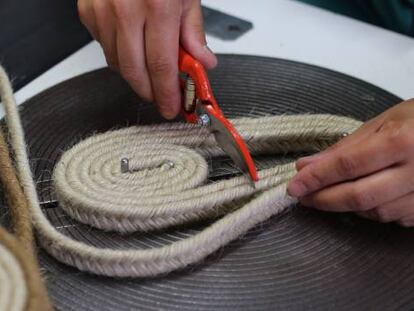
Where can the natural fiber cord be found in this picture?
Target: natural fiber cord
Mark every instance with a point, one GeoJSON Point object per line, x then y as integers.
{"type": "Point", "coordinates": [13, 288]}
{"type": "Point", "coordinates": [166, 186]}
{"type": "Point", "coordinates": [21, 285]}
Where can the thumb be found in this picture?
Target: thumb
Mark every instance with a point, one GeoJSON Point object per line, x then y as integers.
{"type": "Point", "coordinates": [193, 38]}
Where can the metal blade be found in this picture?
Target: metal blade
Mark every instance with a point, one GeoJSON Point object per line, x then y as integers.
{"type": "Point", "coordinates": [229, 145]}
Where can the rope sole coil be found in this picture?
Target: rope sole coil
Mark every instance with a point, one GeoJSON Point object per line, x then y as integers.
{"type": "Point", "coordinates": [166, 187]}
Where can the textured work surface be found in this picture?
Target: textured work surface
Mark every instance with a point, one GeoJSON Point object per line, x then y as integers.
{"type": "Point", "coordinates": [301, 260]}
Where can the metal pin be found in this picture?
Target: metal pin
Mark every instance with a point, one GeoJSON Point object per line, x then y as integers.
{"type": "Point", "coordinates": [124, 165]}
{"type": "Point", "coordinates": [170, 163]}
{"type": "Point", "coordinates": [204, 119]}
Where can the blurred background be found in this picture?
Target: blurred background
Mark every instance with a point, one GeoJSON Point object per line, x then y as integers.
{"type": "Point", "coordinates": [37, 34]}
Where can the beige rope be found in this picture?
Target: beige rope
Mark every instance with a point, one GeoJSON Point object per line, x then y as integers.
{"type": "Point", "coordinates": [13, 290]}
{"type": "Point", "coordinates": [166, 188]}
{"type": "Point", "coordinates": [21, 286]}
{"type": "Point", "coordinates": [17, 250]}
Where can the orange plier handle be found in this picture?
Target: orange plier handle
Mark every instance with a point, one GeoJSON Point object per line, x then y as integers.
{"type": "Point", "coordinates": [203, 92]}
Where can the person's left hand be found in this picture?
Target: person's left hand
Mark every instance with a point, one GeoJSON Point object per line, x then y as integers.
{"type": "Point", "coordinates": [370, 172]}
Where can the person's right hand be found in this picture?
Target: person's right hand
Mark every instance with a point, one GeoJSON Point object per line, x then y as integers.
{"type": "Point", "coordinates": [141, 38]}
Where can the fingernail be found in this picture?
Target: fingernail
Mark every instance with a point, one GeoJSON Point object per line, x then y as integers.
{"type": "Point", "coordinates": [305, 161]}
{"type": "Point", "coordinates": [310, 158]}
{"type": "Point", "coordinates": [213, 60]}
{"type": "Point", "coordinates": [307, 158]}
{"type": "Point", "coordinates": [168, 114]}
{"type": "Point", "coordinates": [206, 47]}
{"type": "Point", "coordinates": [297, 189]}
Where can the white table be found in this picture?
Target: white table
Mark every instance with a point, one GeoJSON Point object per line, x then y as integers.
{"type": "Point", "coordinates": [291, 30]}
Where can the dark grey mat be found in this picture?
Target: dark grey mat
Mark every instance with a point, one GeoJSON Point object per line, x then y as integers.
{"type": "Point", "coordinates": [300, 260]}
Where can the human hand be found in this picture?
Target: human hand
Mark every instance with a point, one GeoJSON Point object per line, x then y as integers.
{"type": "Point", "coordinates": [140, 39]}
{"type": "Point", "coordinates": [369, 172]}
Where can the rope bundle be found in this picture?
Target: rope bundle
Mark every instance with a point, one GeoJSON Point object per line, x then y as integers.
{"type": "Point", "coordinates": [166, 186]}
{"type": "Point", "coordinates": [21, 285]}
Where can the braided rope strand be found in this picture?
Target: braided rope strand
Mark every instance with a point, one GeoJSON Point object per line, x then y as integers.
{"type": "Point", "coordinates": [13, 290]}
{"type": "Point", "coordinates": [91, 187]}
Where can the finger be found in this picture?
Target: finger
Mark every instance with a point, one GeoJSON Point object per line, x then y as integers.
{"type": "Point", "coordinates": [407, 220]}
{"type": "Point", "coordinates": [370, 155]}
{"type": "Point", "coordinates": [401, 208]}
{"type": "Point", "coordinates": [366, 215]}
{"type": "Point", "coordinates": [106, 24]}
{"type": "Point", "coordinates": [364, 131]}
{"type": "Point", "coordinates": [161, 45]}
{"type": "Point", "coordinates": [87, 17]}
{"type": "Point", "coordinates": [193, 38]}
{"type": "Point", "coordinates": [364, 194]}
{"type": "Point", "coordinates": [130, 47]}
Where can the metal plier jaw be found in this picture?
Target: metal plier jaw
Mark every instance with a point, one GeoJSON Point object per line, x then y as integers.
{"type": "Point", "coordinates": [199, 106]}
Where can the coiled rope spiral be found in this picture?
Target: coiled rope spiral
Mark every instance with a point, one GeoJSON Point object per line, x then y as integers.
{"type": "Point", "coordinates": [167, 186]}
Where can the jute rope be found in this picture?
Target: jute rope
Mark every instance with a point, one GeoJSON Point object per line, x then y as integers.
{"type": "Point", "coordinates": [16, 200]}
{"type": "Point", "coordinates": [13, 289]}
{"type": "Point", "coordinates": [20, 246]}
{"type": "Point", "coordinates": [165, 187]}
{"type": "Point", "coordinates": [24, 289]}
{"type": "Point", "coordinates": [21, 286]}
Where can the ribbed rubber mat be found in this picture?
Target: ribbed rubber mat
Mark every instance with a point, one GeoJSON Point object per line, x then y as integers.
{"type": "Point", "coordinates": [301, 260]}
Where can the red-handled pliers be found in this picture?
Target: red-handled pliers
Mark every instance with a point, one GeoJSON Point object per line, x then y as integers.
{"type": "Point", "coordinates": [200, 106]}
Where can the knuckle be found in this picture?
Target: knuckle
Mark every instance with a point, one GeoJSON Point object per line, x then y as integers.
{"type": "Point", "coordinates": [160, 66]}
{"type": "Point", "coordinates": [360, 200]}
{"type": "Point", "coordinates": [198, 28]}
{"type": "Point", "coordinates": [398, 135]}
{"type": "Point", "coordinates": [313, 180]}
{"type": "Point", "coordinates": [347, 166]}
{"type": "Point", "coordinates": [119, 9]}
{"type": "Point", "coordinates": [156, 6]}
{"type": "Point", "coordinates": [164, 10]}
{"type": "Point", "coordinates": [382, 215]}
